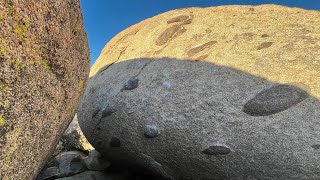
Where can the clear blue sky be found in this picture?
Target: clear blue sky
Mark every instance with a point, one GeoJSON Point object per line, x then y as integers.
{"type": "Point", "coordinates": [106, 18]}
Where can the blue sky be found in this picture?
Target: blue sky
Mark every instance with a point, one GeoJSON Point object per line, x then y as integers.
{"type": "Point", "coordinates": [106, 18]}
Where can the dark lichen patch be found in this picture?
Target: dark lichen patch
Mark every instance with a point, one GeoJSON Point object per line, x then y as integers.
{"type": "Point", "coordinates": [131, 83]}
{"type": "Point", "coordinates": [107, 111]}
{"type": "Point", "coordinates": [115, 142]}
{"type": "Point", "coordinates": [274, 100]}
{"type": "Point", "coordinates": [178, 19]}
{"type": "Point", "coordinates": [169, 34]}
{"type": "Point", "coordinates": [264, 45]}
{"type": "Point", "coordinates": [47, 16]}
{"type": "Point", "coordinates": [151, 131]}
{"type": "Point", "coordinates": [200, 48]}
{"type": "Point", "coordinates": [316, 146]}
{"type": "Point", "coordinates": [217, 150]}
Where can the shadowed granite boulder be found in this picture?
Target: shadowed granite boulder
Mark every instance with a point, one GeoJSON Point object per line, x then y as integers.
{"type": "Point", "coordinates": [44, 62]}
{"type": "Point", "coordinates": [238, 101]}
{"type": "Point", "coordinates": [200, 121]}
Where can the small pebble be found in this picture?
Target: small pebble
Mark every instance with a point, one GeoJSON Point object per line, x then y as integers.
{"type": "Point", "coordinates": [151, 131]}
{"type": "Point", "coordinates": [131, 83]}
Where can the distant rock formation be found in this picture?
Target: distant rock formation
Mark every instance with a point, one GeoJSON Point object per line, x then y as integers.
{"type": "Point", "coordinates": [228, 92]}
{"type": "Point", "coordinates": [44, 60]}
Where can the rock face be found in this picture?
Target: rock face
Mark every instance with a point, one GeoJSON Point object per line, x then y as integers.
{"type": "Point", "coordinates": [261, 40]}
{"type": "Point", "coordinates": [73, 138]}
{"type": "Point", "coordinates": [44, 62]}
{"type": "Point", "coordinates": [195, 120]}
{"type": "Point", "coordinates": [65, 164]}
{"type": "Point", "coordinates": [239, 101]}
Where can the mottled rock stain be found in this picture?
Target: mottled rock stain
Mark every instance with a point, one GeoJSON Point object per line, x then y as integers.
{"type": "Point", "coordinates": [169, 34]}
{"type": "Point", "coordinates": [203, 57]}
{"type": "Point", "coordinates": [175, 30]}
{"type": "Point", "coordinates": [178, 19]}
{"type": "Point", "coordinates": [264, 45]}
{"type": "Point", "coordinates": [200, 48]}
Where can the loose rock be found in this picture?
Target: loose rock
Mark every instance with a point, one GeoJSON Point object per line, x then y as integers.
{"type": "Point", "coordinates": [151, 131]}
{"type": "Point", "coordinates": [65, 164]}
{"type": "Point", "coordinates": [95, 161]}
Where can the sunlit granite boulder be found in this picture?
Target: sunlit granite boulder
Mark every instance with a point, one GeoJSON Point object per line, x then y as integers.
{"type": "Point", "coordinates": [44, 60]}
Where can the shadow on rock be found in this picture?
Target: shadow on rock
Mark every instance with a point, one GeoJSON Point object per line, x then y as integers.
{"type": "Point", "coordinates": [186, 119]}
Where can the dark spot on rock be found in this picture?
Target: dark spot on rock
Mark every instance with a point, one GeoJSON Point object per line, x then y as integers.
{"type": "Point", "coordinates": [131, 83]}
{"type": "Point", "coordinates": [151, 131]}
{"type": "Point", "coordinates": [264, 35]}
{"type": "Point", "coordinates": [169, 34]}
{"type": "Point", "coordinates": [264, 45]}
{"type": "Point", "coordinates": [200, 48]}
{"type": "Point", "coordinates": [23, 57]}
{"type": "Point", "coordinates": [189, 21]}
{"type": "Point", "coordinates": [178, 19]}
{"type": "Point", "coordinates": [316, 146]}
{"type": "Point", "coordinates": [203, 57]}
{"type": "Point", "coordinates": [95, 112]}
{"type": "Point", "coordinates": [217, 150]}
{"type": "Point", "coordinates": [47, 16]}
{"type": "Point", "coordinates": [115, 142]}
{"type": "Point", "coordinates": [208, 31]}
{"type": "Point", "coordinates": [107, 111]}
{"type": "Point", "coordinates": [276, 99]}
{"type": "Point", "coordinates": [246, 36]}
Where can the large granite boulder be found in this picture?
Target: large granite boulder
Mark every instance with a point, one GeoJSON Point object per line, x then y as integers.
{"type": "Point", "coordinates": [200, 121]}
{"type": "Point", "coordinates": [240, 99]}
{"type": "Point", "coordinates": [261, 40]}
{"type": "Point", "coordinates": [44, 62]}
